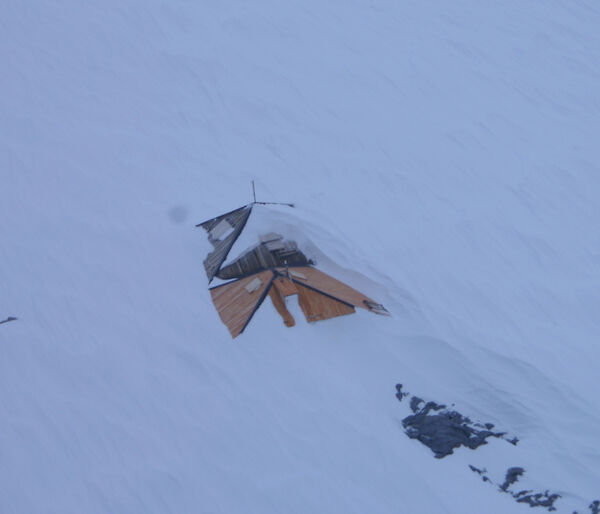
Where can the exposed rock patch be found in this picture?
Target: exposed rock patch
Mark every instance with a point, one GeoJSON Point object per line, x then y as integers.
{"type": "Point", "coordinates": [512, 475]}
{"type": "Point", "coordinates": [594, 507]}
{"type": "Point", "coordinates": [545, 499]}
{"type": "Point", "coordinates": [442, 430]}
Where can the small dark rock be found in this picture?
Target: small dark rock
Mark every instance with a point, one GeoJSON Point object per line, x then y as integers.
{"type": "Point", "coordinates": [399, 393]}
{"type": "Point", "coordinates": [512, 475]}
{"type": "Point", "coordinates": [540, 500]}
{"type": "Point", "coordinates": [480, 472]}
{"type": "Point", "coordinates": [415, 401]}
{"type": "Point", "coordinates": [476, 470]}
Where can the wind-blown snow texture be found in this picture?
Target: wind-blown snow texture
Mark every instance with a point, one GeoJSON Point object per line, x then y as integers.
{"type": "Point", "coordinates": [443, 154]}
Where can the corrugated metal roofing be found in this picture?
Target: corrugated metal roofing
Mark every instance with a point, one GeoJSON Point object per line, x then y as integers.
{"type": "Point", "coordinates": [217, 227]}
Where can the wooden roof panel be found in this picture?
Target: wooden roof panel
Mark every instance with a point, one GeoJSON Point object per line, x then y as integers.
{"type": "Point", "coordinates": [320, 281]}
{"type": "Point", "coordinates": [285, 285]}
{"type": "Point", "coordinates": [317, 306]}
{"type": "Point", "coordinates": [236, 305]}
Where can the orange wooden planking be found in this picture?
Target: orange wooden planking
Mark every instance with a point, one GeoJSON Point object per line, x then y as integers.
{"type": "Point", "coordinates": [286, 286]}
{"type": "Point", "coordinates": [234, 304]}
{"type": "Point", "coordinates": [279, 304]}
{"type": "Point", "coordinates": [327, 284]}
{"type": "Point", "coordinates": [317, 306]}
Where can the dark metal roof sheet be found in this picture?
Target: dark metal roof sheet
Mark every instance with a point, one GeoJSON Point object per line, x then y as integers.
{"type": "Point", "coordinates": [236, 220]}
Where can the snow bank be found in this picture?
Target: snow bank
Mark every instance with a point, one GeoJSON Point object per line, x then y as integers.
{"type": "Point", "coordinates": [443, 157]}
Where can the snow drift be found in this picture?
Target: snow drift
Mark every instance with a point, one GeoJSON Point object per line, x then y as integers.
{"type": "Point", "coordinates": [443, 155]}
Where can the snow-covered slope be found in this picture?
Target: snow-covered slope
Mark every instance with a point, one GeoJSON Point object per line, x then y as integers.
{"type": "Point", "coordinates": [443, 157]}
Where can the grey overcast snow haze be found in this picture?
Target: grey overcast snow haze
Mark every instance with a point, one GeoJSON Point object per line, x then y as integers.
{"type": "Point", "coordinates": [444, 159]}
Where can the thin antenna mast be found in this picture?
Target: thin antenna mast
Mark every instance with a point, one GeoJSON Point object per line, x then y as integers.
{"type": "Point", "coordinates": [267, 203]}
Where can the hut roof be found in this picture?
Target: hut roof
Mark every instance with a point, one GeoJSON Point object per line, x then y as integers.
{"type": "Point", "coordinates": [223, 231]}
{"type": "Point", "coordinates": [320, 296]}
{"type": "Point", "coordinates": [249, 239]}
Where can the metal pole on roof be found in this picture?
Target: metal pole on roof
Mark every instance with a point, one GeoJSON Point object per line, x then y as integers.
{"type": "Point", "coordinates": [267, 203]}
{"type": "Point", "coordinates": [275, 203]}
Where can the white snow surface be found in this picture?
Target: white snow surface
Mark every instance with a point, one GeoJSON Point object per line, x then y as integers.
{"type": "Point", "coordinates": [444, 159]}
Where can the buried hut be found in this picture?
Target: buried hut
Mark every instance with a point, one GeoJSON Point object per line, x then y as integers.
{"type": "Point", "coordinates": [275, 267]}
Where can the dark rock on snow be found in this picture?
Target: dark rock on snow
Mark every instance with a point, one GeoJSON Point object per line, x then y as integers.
{"type": "Point", "coordinates": [544, 499]}
{"type": "Point", "coordinates": [594, 507]}
{"type": "Point", "coordinates": [441, 430]}
{"type": "Point", "coordinates": [512, 475]}
{"type": "Point", "coordinates": [399, 393]}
